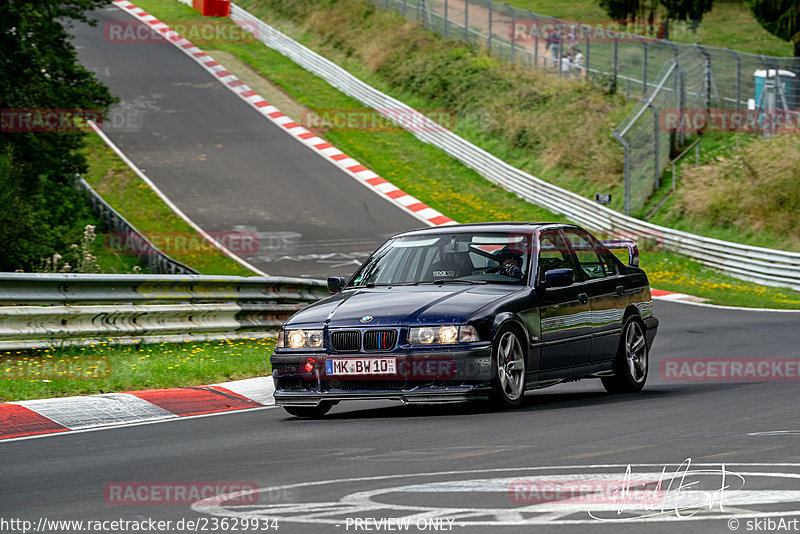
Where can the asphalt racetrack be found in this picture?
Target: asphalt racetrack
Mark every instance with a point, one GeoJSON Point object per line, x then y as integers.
{"type": "Point", "coordinates": [227, 167]}
{"type": "Point", "coordinates": [722, 449]}
{"type": "Point", "coordinates": [380, 459]}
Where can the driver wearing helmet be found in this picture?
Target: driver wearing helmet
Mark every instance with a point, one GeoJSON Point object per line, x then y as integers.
{"type": "Point", "coordinates": [510, 263]}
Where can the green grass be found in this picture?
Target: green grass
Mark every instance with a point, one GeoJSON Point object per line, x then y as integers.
{"type": "Point", "coordinates": [144, 209]}
{"type": "Point", "coordinates": [104, 368]}
{"type": "Point", "coordinates": [730, 24]}
{"type": "Point", "coordinates": [718, 152]}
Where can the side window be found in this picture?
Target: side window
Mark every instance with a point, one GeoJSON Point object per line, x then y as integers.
{"type": "Point", "coordinates": [607, 257]}
{"type": "Point", "coordinates": [553, 254]}
{"type": "Point", "coordinates": [587, 256]}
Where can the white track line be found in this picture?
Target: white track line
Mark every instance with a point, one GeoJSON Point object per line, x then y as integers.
{"type": "Point", "coordinates": [172, 205]}
{"type": "Point", "coordinates": [321, 147]}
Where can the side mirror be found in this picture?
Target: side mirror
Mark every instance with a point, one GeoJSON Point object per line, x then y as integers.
{"type": "Point", "coordinates": [336, 283]}
{"type": "Point", "coordinates": [558, 278]}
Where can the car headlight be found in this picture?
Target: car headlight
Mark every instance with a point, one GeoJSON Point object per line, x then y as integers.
{"type": "Point", "coordinates": [302, 339]}
{"type": "Point", "coordinates": [442, 335]}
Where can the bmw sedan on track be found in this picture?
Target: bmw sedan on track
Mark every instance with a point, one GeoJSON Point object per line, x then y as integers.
{"type": "Point", "coordinates": [478, 311]}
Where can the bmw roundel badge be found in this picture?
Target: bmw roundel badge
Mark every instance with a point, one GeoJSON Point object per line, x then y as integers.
{"type": "Point", "coordinates": [366, 319]}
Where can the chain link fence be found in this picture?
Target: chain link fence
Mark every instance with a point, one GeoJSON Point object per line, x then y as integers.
{"type": "Point", "coordinates": [684, 89]}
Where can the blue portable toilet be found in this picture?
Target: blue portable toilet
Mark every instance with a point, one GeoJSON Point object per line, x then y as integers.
{"type": "Point", "coordinates": [787, 81]}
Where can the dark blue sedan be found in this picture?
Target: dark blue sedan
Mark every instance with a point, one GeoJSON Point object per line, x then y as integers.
{"type": "Point", "coordinates": [477, 311]}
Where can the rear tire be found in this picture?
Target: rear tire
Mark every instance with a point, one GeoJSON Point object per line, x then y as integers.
{"type": "Point", "coordinates": [631, 365]}
{"type": "Point", "coordinates": [310, 412]}
{"type": "Point", "coordinates": [508, 370]}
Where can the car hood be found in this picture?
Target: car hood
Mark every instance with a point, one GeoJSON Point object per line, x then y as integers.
{"type": "Point", "coordinates": [398, 305]}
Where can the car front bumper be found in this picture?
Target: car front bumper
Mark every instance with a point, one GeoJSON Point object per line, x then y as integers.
{"type": "Point", "coordinates": [424, 376]}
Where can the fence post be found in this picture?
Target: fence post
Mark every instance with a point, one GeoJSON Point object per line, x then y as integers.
{"type": "Point", "coordinates": [682, 101]}
{"type": "Point", "coordinates": [559, 46]}
{"type": "Point", "coordinates": [627, 149]}
{"type": "Point", "coordinates": [644, 70]}
{"type": "Point", "coordinates": [586, 67]}
{"type": "Point", "coordinates": [656, 169]}
{"type": "Point", "coordinates": [489, 37]}
{"type": "Point", "coordinates": [446, 20]}
{"type": "Point", "coordinates": [535, 40]}
{"type": "Point", "coordinates": [466, 20]}
{"type": "Point", "coordinates": [513, 31]}
{"type": "Point", "coordinates": [706, 77]}
{"type": "Point", "coordinates": [738, 77]}
{"type": "Point", "coordinates": [405, 2]}
{"type": "Point", "coordinates": [616, 46]}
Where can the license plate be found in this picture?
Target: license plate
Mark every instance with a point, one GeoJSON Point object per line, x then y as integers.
{"type": "Point", "coordinates": [361, 366]}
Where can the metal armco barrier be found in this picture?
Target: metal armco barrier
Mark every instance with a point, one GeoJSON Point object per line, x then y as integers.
{"type": "Point", "coordinates": [756, 264]}
{"type": "Point", "coordinates": [40, 310]}
{"type": "Point", "coordinates": [153, 258]}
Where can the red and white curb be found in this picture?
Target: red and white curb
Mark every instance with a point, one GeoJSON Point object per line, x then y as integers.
{"type": "Point", "coordinates": [47, 416]}
{"type": "Point", "coordinates": [660, 294]}
{"type": "Point", "coordinates": [350, 166]}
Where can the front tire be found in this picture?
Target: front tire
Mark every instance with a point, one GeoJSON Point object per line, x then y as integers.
{"type": "Point", "coordinates": [631, 364]}
{"type": "Point", "coordinates": [508, 370]}
{"type": "Point", "coordinates": [309, 412]}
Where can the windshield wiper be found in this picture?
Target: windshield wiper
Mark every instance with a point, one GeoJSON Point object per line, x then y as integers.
{"type": "Point", "coordinates": [456, 281]}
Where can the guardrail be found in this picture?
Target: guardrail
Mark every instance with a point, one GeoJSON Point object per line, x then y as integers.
{"type": "Point", "coordinates": [762, 265]}
{"type": "Point", "coordinates": [153, 258]}
{"type": "Point", "coordinates": [41, 310]}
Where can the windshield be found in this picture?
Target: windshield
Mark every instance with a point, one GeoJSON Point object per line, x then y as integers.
{"type": "Point", "coordinates": [448, 258]}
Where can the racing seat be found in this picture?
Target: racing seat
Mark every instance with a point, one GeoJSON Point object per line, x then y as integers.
{"type": "Point", "coordinates": [445, 269]}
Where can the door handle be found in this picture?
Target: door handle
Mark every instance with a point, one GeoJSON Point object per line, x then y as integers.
{"type": "Point", "coordinates": [620, 290]}
{"type": "Point", "coordinates": [583, 297]}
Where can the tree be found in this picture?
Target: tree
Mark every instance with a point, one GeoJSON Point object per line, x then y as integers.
{"type": "Point", "coordinates": [622, 10]}
{"type": "Point", "coordinates": [781, 18]}
{"type": "Point", "coordinates": [691, 11]}
{"type": "Point", "coordinates": [648, 10]}
{"type": "Point", "coordinates": [41, 209]}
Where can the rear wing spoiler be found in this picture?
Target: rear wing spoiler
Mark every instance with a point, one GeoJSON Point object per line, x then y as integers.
{"type": "Point", "coordinates": [625, 244]}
